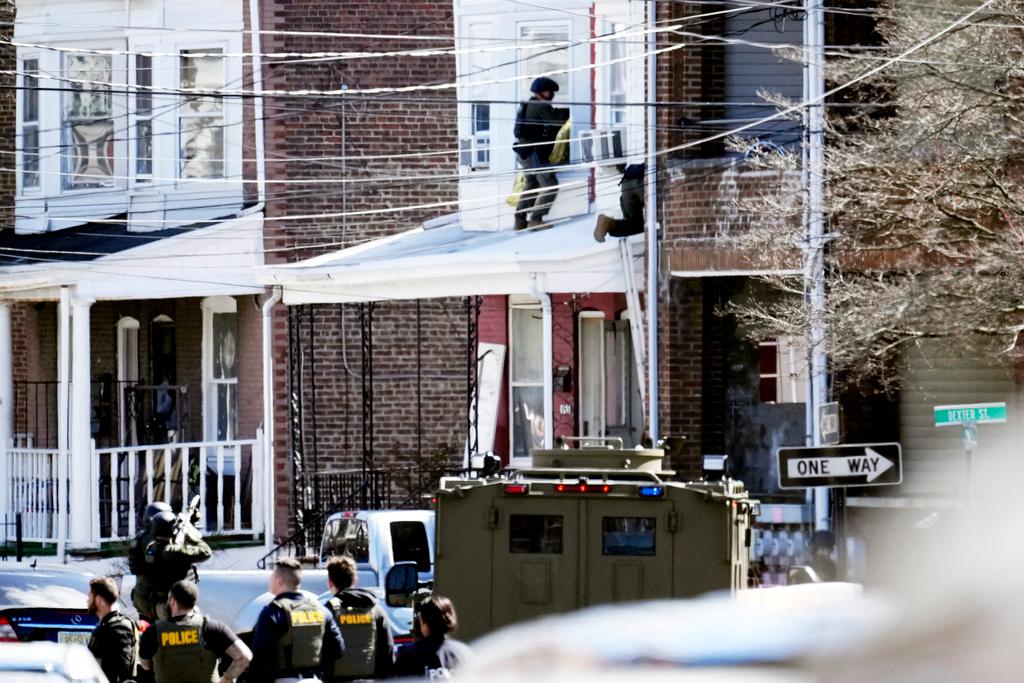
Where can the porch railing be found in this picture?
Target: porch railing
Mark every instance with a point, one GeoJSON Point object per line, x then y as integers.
{"type": "Point", "coordinates": [227, 476]}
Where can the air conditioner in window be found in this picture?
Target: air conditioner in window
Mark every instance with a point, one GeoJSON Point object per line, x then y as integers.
{"type": "Point", "coordinates": [602, 145]}
{"type": "Point", "coordinates": [475, 151]}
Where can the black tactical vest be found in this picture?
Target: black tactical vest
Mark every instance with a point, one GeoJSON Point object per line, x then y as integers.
{"type": "Point", "coordinates": [359, 631]}
{"type": "Point", "coordinates": [181, 655]}
{"type": "Point", "coordinates": [299, 648]}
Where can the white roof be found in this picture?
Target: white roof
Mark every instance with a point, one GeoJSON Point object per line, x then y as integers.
{"type": "Point", "coordinates": [431, 262]}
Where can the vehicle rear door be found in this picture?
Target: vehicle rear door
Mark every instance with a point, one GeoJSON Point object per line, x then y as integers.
{"type": "Point", "coordinates": [535, 558]}
{"type": "Point", "coordinates": [628, 553]}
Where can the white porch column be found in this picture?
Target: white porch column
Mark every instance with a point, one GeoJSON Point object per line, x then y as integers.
{"type": "Point", "coordinates": [63, 401]}
{"type": "Point", "coordinates": [6, 400]}
{"type": "Point", "coordinates": [83, 488]}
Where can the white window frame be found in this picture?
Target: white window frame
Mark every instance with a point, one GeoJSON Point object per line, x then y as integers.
{"type": "Point", "coordinates": [516, 303]}
{"type": "Point", "coordinates": [224, 118]}
{"type": "Point", "coordinates": [119, 117]}
{"type": "Point", "coordinates": [21, 124]}
{"type": "Point", "coordinates": [477, 34]}
{"type": "Point", "coordinates": [612, 26]}
{"type": "Point", "coordinates": [790, 369]}
{"type": "Point", "coordinates": [135, 118]}
{"type": "Point", "coordinates": [210, 306]}
{"type": "Point", "coordinates": [565, 94]}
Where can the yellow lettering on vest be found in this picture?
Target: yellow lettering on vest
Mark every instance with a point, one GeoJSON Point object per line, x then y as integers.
{"type": "Point", "coordinates": [174, 638]}
{"type": "Point", "coordinates": [352, 619]}
{"type": "Point", "coordinates": [305, 617]}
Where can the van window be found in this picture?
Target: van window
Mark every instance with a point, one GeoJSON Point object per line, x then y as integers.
{"type": "Point", "coordinates": [347, 536]}
{"type": "Point", "coordinates": [628, 536]}
{"type": "Point", "coordinates": [538, 534]}
{"type": "Point", "coordinates": [409, 542]}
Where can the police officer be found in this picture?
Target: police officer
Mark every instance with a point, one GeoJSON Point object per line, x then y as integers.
{"type": "Point", "coordinates": [631, 201]}
{"type": "Point", "coordinates": [295, 637]}
{"type": "Point", "coordinates": [187, 647]}
{"type": "Point", "coordinates": [114, 641]}
{"type": "Point", "coordinates": [369, 647]}
{"type": "Point", "coordinates": [536, 127]}
{"type": "Point", "coordinates": [169, 558]}
{"type": "Point", "coordinates": [436, 653]}
{"type": "Point", "coordinates": [137, 549]}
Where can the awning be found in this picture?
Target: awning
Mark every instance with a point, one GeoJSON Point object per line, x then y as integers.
{"type": "Point", "coordinates": [444, 261]}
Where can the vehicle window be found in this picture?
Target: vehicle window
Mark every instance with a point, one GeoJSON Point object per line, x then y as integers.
{"type": "Point", "coordinates": [409, 541]}
{"type": "Point", "coordinates": [539, 534]}
{"type": "Point", "coordinates": [347, 536]}
{"type": "Point", "coordinates": [628, 536]}
{"type": "Point", "coordinates": [43, 589]}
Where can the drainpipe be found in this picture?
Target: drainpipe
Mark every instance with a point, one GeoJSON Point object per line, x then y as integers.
{"type": "Point", "coordinates": [549, 371]}
{"type": "Point", "coordinates": [268, 416]}
{"type": "Point", "coordinates": [651, 176]}
{"type": "Point", "coordinates": [63, 400]}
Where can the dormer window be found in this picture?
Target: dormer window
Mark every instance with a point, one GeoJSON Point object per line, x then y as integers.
{"type": "Point", "coordinates": [30, 124]}
{"type": "Point", "coordinates": [143, 117]}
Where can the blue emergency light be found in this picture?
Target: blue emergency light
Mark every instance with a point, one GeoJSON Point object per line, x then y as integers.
{"type": "Point", "coordinates": [651, 491]}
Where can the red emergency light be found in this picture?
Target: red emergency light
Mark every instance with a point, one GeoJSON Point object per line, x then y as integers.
{"type": "Point", "coordinates": [582, 488]}
{"type": "Point", "coordinates": [517, 489]}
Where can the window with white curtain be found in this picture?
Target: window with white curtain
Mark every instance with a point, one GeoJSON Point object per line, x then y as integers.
{"type": "Point", "coordinates": [526, 373]}
{"type": "Point", "coordinates": [201, 121]}
{"type": "Point", "coordinates": [88, 126]}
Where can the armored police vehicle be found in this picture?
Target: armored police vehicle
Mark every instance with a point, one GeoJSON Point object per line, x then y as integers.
{"type": "Point", "coordinates": [584, 526]}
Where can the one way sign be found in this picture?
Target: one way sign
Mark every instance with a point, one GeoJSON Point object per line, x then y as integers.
{"type": "Point", "coordinates": [866, 464]}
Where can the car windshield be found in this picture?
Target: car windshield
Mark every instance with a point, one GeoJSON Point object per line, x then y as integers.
{"type": "Point", "coordinates": [43, 589]}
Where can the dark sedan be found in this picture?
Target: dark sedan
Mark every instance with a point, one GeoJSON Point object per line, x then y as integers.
{"type": "Point", "coordinates": [44, 604]}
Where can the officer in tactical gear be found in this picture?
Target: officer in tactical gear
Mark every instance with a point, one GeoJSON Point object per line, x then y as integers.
{"type": "Point", "coordinates": [295, 637]}
{"type": "Point", "coordinates": [137, 549]}
{"type": "Point", "coordinates": [171, 556]}
{"type": "Point", "coordinates": [187, 646]}
{"type": "Point", "coordinates": [436, 654]}
{"type": "Point", "coordinates": [115, 640]}
{"type": "Point", "coordinates": [631, 201]}
{"type": "Point", "coordinates": [369, 647]}
{"type": "Point", "coordinates": [536, 127]}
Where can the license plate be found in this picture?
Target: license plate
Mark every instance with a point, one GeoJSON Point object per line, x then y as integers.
{"type": "Point", "coordinates": [73, 637]}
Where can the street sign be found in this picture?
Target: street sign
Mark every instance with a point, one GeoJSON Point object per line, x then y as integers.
{"type": "Point", "coordinates": [865, 464]}
{"type": "Point", "coordinates": [977, 413]}
{"type": "Point", "coordinates": [828, 423]}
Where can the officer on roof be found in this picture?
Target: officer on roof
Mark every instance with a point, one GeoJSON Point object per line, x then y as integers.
{"type": "Point", "coordinates": [171, 556]}
{"type": "Point", "coordinates": [369, 647]}
{"type": "Point", "coordinates": [187, 646]}
{"type": "Point", "coordinates": [295, 637]}
{"type": "Point", "coordinates": [536, 127]}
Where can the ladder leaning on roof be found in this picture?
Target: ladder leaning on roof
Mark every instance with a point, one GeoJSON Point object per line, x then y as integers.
{"type": "Point", "coordinates": [636, 325]}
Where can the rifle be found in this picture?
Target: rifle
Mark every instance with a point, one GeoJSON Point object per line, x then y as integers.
{"type": "Point", "coordinates": [184, 525]}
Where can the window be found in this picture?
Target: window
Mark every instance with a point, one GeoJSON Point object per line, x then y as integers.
{"type": "Point", "coordinates": [347, 536]}
{"type": "Point", "coordinates": [538, 57]}
{"type": "Point", "coordinates": [615, 71]}
{"type": "Point", "coordinates": [632, 536]}
{"type": "Point", "coordinates": [477, 67]}
{"type": "Point", "coordinates": [30, 124]}
{"type": "Point", "coordinates": [88, 129]}
{"type": "Point", "coordinates": [220, 324]}
{"type": "Point", "coordinates": [143, 117]}
{"type": "Point", "coordinates": [535, 534]}
{"type": "Point", "coordinates": [201, 122]}
{"type": "Point", "coordinates": [782, 370]}
{"type": "Point", "coordinates": [527, 380]}
{"type": "Point", "coordinates": [409, 542]}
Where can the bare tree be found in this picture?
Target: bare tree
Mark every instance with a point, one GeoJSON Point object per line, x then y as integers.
{"type": "Point", "coordinates": [924, 193]}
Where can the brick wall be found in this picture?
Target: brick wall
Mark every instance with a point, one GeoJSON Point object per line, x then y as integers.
{"type": "Point", "coordinates": [8, 99]}
{"type": "Point", "coordinates": [373, 142]}
{"type": "Point", "coordinates": [680, 371]}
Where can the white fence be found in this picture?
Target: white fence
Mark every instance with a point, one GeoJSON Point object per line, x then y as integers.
{"type": "Point", "coordinates": [228, 477]}
{"type": "Point", "coordinates": [33, 489]}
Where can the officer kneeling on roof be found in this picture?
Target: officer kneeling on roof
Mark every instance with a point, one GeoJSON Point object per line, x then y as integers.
{"type": "Point", "coordinates": [295, 638]}
{"type": "Point", "coordinates": [187, 647]}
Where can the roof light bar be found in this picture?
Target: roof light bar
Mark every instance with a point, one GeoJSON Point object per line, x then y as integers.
{"type": "Point", "coordinates": [651, 491]}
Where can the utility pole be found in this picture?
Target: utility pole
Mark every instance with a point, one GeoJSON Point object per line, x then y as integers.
{"type": "Point", "coordinates": [651, 177]}
{"type": "Point", "coordinates": [814, 232]}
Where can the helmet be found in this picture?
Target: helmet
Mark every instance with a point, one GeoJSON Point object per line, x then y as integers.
{"type": "Point", "coordinates": [162, 524]}
{"type": "Point", "coordinates": [542, 84]}
{"type": "Point", "coordinates": [153, 508]}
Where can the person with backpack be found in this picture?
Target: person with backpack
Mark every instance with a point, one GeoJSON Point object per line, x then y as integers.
{"type": "Point", "coordinates": [369, 646]}
{"type": "Point", "coordinates": [115, 640]}
{"type": "Point", "coordinates": [537, 125]}
{"type": "Point", "coordinates": [187, 646]}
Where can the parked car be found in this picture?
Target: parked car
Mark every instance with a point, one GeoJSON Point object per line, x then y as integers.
{"type": "Point", "coordinates": [44, 604]}
{"type": "Point", "coordinates": [49, 663]}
